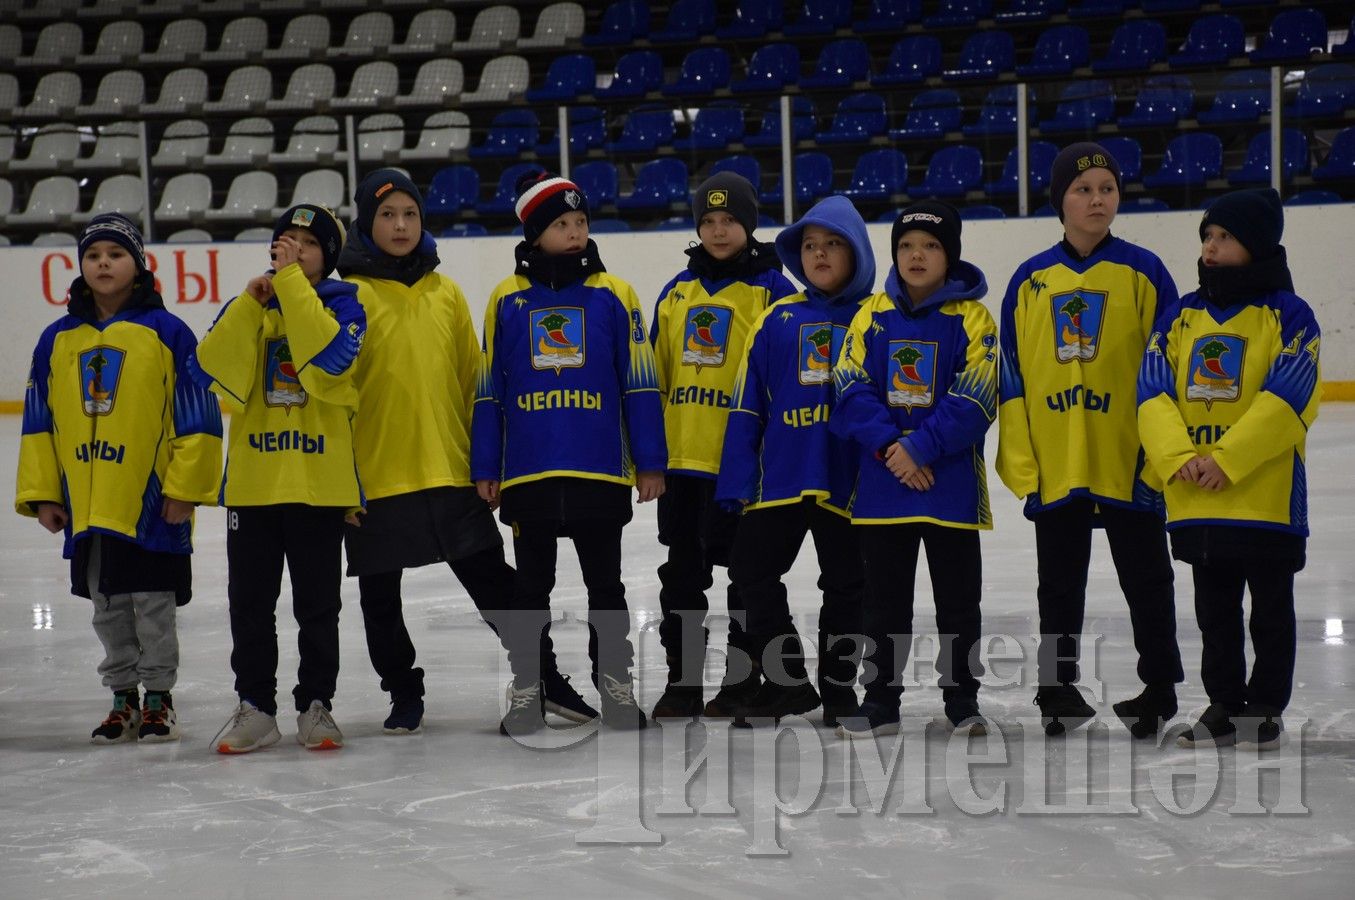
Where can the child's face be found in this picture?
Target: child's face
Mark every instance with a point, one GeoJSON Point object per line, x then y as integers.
{"type": "Point", "coordinates": [827, 259]}
{"type": "Point", "coordinates": [311, 258]}
{"type": "Point", "coordinates": [721, 235]}
{"type": "Point", "coordinates": [397, 227]}
{"type": "Point", "coordinates": [566, 234]}
{"type": "Point", "coordinates": [108, 269]}
{"type": "Point", "coordinates": [922, 263]}
{"type": "Point", "coordinates": [1091, 203]}
{"type": "Point", "coordinates": [1220, 248]}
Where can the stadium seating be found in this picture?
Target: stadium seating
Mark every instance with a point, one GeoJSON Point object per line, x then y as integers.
{"type": "Point", "coordinates": [1135, 47]}
{"type": "Point", "coordinates": [1340, 161]}
{"type": "Point", "coordinates": [1058, 51]}
{"type": "Point", "coordinates": [452, 189]}
{"type": "Point", "coordinates": [859, 118]}
{"type": "Point", "coordinates": [984, 56]}
{"type": "Point", "coordinates": [841, 63]}
{"type": "Point", "coordinates": [512, 132]}
{"type": "Point", "coordinates": [1212, 41]}
{"type": "Point", "coordinates": [771, 68]}
{"type": "Point", "coordinates": [932, 114]}
{"type": "Point", "coordinates": [599, 182]}
{"type": "Point", "coordinates": [1294, 34]}
{"type": "Point", "coordinates": [704, 71]}
{"type": "Point", "coordinates": [813, 179]}
{"type": "Point", "coordinates": [659, 184]}
{"type": "Point", "coordinates": [1190, 160]}
{"type": "Point", "coordinates": [1242, 97]}
{"type": "Point", "coordinates": [1164, 100]}
{"type": "Point", "coordinates": [952, 172]}
{"type": "Point", "coordinates": [753, 19]}
{"type": "Point", "coordinates": [912, 60]}
{"type": "Point", "coordinates": [878, 175]}
{"type": "Point", "coordinates": [1255, 169]}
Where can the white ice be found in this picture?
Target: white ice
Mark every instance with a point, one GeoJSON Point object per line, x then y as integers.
{"type": "Point", "coordinates": [461, 811]}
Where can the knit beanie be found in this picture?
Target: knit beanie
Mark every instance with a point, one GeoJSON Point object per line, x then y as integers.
{"type": "Point", "coordinates": [120, 230]}
{"type": "Point", "coordinates": [320, 222]}
{"type": "Point", "coordinates": [937, 218]}
{"type": "Point", "coordinates": [543, 198]}
{"type": "Point", "coordinates": [1071, 162]}
{"type": "Point", "coordinates": [1255, 217]}
{"type": "Point", "coordinates": [726, 192]}
{"type": "Point", "coordinates": [375, 188]}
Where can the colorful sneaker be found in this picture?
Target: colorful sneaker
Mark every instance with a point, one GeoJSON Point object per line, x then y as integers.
{"type": "Point", "coordinates": [559, 697]}
{"type": "Point", "coordinates": [315, 729]}
{"type": "Point", "coordinates": [619, 709]}
{"type": "Point", "coordinates": [159, 722]}
{"type": "Point", "coordinates": [122, 722]}
{"type": "Point", "coordinates": [406, 716]}
{"type": "Point", "coordinates": [525, 713]}
{"type": "Point", "coordinates": [869, 720]}
{"type": "Point", "coordinates": [248, 729]}
{"type": "Point", "coordinates": [1215, 728]}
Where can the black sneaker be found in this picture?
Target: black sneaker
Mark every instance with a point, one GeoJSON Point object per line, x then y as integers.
{"type": "Point", "coordinates": [1145, 714]}
{"type": "Point", "coordinates": [159, 722]}
{"type": "Point", "coordinates": [406, 716]}
{"type": "Point", "coordinates": [772, 702]}
{"type": "Point", "coordinates": [869, 720]}
{"type": "Point", "coordinates": [1215, 728]}
{"type": "Point", "coordinates": [619, 709]}
{"type": "Point", "coordinates": [838, 703]}
{"type": "Point", "coordinates": [733, 695]}
{"type": "Point", "coordinates": [1260, 727]}
{"type": "Point", "coordinates": [1062, 709]}
{"type": "Point", "coordinates": [962, 714]}
{"type": "Point", "coordinates": [678, 702]}
{"type": "Point", "coordinates": [122, 722]}
{"type": "Point", "coordinates": [525, 711]}
{"type": "Point", "coordinates": [560, 698]}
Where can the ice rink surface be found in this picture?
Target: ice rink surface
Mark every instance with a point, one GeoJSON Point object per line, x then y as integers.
{"type": "Point", "coordinates": [461, 811]}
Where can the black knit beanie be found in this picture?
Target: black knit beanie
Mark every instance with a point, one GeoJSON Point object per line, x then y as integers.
{"type": "Point", "coordinates": [318, 221]}
{"type": "Point", "coordinates": [1071, 162]}
{"type": "Point", "coordinates": [726, 192]}
{"type": "Point", "coordinates": [543, 198]}
{"type": "Point", "coordinates": [1255, 217]}
{"type": "Point", "coordinates": [120, 230]}
{"type": "Point", "coordinates": [937, 218]}
{"type": "Point", "coordinates": [376, 187]}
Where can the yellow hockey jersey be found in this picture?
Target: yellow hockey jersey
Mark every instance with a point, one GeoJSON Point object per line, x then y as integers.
{"type": "Point", "coordinates": [286, 371]}
{"type": "Point", "coordinates": [416, 385]}
{"type": "Point", "coordinates": [1072, 335]}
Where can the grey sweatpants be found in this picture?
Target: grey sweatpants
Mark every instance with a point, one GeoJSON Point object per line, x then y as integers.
{"type": "Point", "coordinates": [141, 643]}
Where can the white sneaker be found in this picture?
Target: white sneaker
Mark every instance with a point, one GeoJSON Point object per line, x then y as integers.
{"type": "Point", "coordinates": [247, 729]}
{"type": "Point", "coordinates": [315, 729]}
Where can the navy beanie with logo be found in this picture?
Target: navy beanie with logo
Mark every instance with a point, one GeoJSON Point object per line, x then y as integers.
{"type": "Point", "coordinates": [120, 230]}
{"type": "Point", "coordinates": [1071, 162]}
{"type": "Point", "coordinates": [726, 192]}
{"type": "Point", "coordinates": [543, 198]}
{"type": "Point", "coordinates": [319, 221]}
{"type": "Point", "coordinates": [375, 188]}
{"type": "Point", "coordinates": [937, 218]}
{"type": "Point", "coordinates": [1255, 217]}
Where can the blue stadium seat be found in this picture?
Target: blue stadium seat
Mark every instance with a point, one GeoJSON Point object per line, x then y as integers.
{"type": "Point", "coordinates": [1152, 7]}
{"type": "Point", "coordinates": [841, 64]}
{"type": "Point", "coordinates": [568, 77]}
{"type": "Point", "coordinates": [1340, 161]}
{"type": "Point", "coordinates": [772, 67]}
{"type": "Point", "coordinates": [1082, 106]}
{"type": "Point", "coordinates": [464, 229]}
{"type": "Point", "coordinates": [704, 71]}
{"type": "Point", "coordinates": [984, 56]}
{"type": "Point", "coordinates": [1058, 51]}
{"type": "Point", "coordinates": [452, 189]}
{"type": "Point", "coordinates": [1242, 97]}
{"type": "Point", "coordinates": [753, 19]}
{"type": "Point", "coordinates": [1134, 47]}
{"type": "Point", "coordinates": [952, 172]}
{"type": "Point", "coordinates": [1212, 41]}
{"type": "Point", "coordinates": [739, 164]}
{"type": "Point", "coordinates": [506, 194]}
{"type": "Point", "coordinates": [658, 185]}
{"type": "Point", "coordinates": [859, 118]}
{"type": "Point", "coordinates": [598, 181]}
{"type": "Point", "coordinates": [813, 179]}
{"type": "Point", "coordinates": [1326, 90]}
{"type": "Point", "coordinates": [1164, 100]}
{"type": "Point", "coordinates": [889, 15]}
{"type": "Point", "coordinates": [1346, 47]}
{"type": "Point", "coordinates": [607, 226]}
{"type": "Point", "coordinates": [1255, 169]}
{"type": "Point", "coordinates": [1041, 160]}
{"type": "Point", "coordinates": [1128, 153]}
{"type": "Point", "coordinates": [959, 13]}
{"type": "Point", "coordinates": [673, 223]}
{"type": "Point", "coordinates": [1143, 205]}
{"type": "Point", "coordinates": [1313, 197]}
{"type": "Point", "coordinates": [714, 128]}
{"type": "Point", "coordinates": [998, 114]}
{"type": "Point", "coordinates": [645, 129]}
{"type": "Point", "coordinates": [1294, 34]}
{"type": "Point", "coordinates": [1029, 10]}
{"type": "Point", "coordinates": [637, 73]}
{"type": "Point", "coordinates": [982, 211]}
{"type": "Point", "coordinates": [511, 132]}
{"type": "Point", "coordinates": [622, 24]}
{"type": "Point", "coordinates": [818, 17]}
{"type": "Point", "coordinates": [1096, 9]}
{"type": "Point", "coordinates": [878, 175]}
{"type": "Point", "coordinates": [913, 60]}
{"type": "Point", "coordinates": [931, 115]}
{"type": "Point", "coordinates": [801, 123]}
{"type": "Point", "coordinates": [687, 21]}
{"type": "Point", "coordinates": [587, 131]}
{"type": "Point", "coordinates": [1190, 160]}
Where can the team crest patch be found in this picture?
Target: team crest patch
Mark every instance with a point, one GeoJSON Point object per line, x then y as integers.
{"type": "Point", "coordinates": [558, 338]}
{"type": "Point", "coordinates": [281, 386]}
{"type": "Point", "coordinates": [707, 336]}
{"type": "Point", "coordinates": [100, 369]}
{"type": "Point", "coordinates": [717, 198]}
{"type": "Point", "coordinates": [303, 217]}
{"type": "Point", "coordinates": [573, 199]}
{"type": "Point", "coordinates": [1216, 368]}
{"type": "Point", "coordinates": [819, 345]}
{"type": "Point", "coordinates": [1077, 323]}
{"type": "Point", "coordinates": [912, 373]}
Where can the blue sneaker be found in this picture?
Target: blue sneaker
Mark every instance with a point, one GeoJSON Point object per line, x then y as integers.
{"type": "Point", "coordinates": [406, 716]}
{"type": "Point", "coordinates": [870, 719]}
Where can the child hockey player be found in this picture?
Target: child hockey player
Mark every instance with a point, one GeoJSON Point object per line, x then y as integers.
{"type": "Point", "coordinates": [567, 419]}
{"type": "Point", "coordinates": [699, 328]}
{"type": "Point", "coordinates": [917, 390]}
{"type": "Point", "coordinates": [282, 355]}
{"type": "Point", "coordinates": [118, 447]}
{"type": "Point", "coordinates": [1075, 322]}
{"type": "Point", "coordinates": [1229, 388]}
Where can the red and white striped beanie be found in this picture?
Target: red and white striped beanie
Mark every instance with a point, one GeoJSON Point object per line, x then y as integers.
{"type": "Point", "coordinates": [543, 198]}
